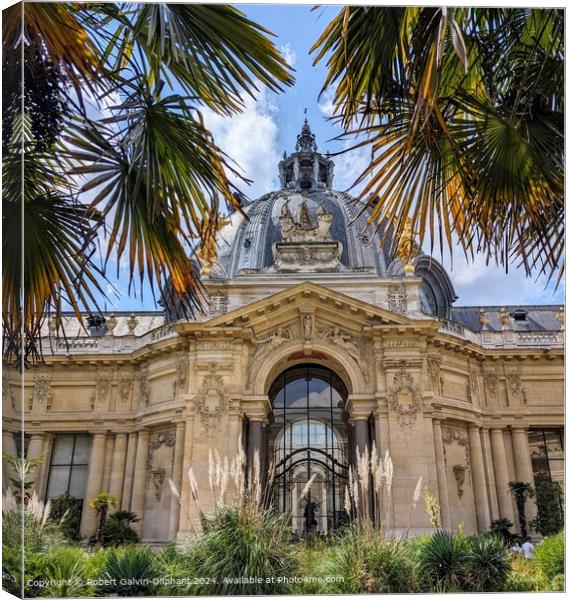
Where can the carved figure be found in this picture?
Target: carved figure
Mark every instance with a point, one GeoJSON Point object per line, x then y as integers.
{"type": "Point", "coordinates": [407, 249]}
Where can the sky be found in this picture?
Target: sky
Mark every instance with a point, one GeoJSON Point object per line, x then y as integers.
{"type": "Point", "coordinates": [257, 138]}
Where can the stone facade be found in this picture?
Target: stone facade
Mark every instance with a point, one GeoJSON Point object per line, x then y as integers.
{"type": "Point", "coordinates": [451, 403]}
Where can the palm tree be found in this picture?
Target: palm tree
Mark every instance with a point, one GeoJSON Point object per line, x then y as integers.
{"type": "Point", "coordinates": [462, 109]}
{"type": "Point", "coordinates": [101, 505]}
{"type": "Point", "coordinates": [140, 167]}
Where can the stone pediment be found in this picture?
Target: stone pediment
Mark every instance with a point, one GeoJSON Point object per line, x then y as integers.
{"type": "Point", "coordinates": [307, 297]}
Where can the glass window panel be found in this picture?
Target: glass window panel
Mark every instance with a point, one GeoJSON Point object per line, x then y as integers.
{"type": "Point", "coordinates": [78, 482]}
{"type": "Point", "coordinates": [62, 450]}
{"type": "Point", "coordinates": [82, 449]}
{"type": "Point", "coordinates": [58, 480]}
{"type": "Point", "coordinates": [296, 394]}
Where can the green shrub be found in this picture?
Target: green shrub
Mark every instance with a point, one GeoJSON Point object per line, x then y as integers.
{"type": "Point", "coordinates": [549, 555]}
{"type": "Point", "coordinates": [389, 567]}
{"type": "Point", "coordinates": [558, 583]}
{"type": "Point", "coordinates": [242, 543]}
{"type": "Point", "coordinates": [66, 513]}
{"type": "Point", "coordinates": [550, 517]}
{"type": "Point", "coordinates": [129, 571]}
{"type": "Point", "coordinates": [525, 576]}
{"type": "Point", "coordinates": [64, 573]}
{"type": "Point", "coordinates": [503, 527]}
{"type": "Point", "coordinates": [117, 530]}
{"type": "Point", "coordinates": [488, 563]}
{"type": "Point", "coordinates": [442, 562]}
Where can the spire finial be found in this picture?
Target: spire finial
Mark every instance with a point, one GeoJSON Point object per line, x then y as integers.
{"type": "Point", "coordinates": [306, 139]}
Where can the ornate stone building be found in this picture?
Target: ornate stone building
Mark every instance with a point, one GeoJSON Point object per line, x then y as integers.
{"type": "Point", "coordinates": [317, 341]}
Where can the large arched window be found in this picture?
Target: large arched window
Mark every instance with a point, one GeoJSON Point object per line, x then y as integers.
{"type": "Point", "coordinates": [308, 438]}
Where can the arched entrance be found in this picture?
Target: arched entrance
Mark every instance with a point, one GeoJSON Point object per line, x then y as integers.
{"type": "Point", "coordinates": [309, 437]}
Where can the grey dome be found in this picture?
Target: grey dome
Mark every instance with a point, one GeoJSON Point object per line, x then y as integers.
{"type": "Point", "coordinates": [245, 245]}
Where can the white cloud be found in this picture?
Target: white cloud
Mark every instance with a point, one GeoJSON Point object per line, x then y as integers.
{"type": "Point", "coordinates": [289, 55]}
{"type": "Point", "coordinates": [326, 102]}
{"type": "Point", "coordinates": [250, 139]}
{"type": "Point", "coordinates": [479, 284]}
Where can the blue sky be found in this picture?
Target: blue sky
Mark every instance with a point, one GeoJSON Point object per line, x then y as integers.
{"type": "Point", "coordinates": [269, 125]}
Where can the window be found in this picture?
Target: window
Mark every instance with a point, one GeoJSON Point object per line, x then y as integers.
{"type": "Point", "coordinates": [68, 465]}
{"type": "Point", "coordinates": [546, 446]}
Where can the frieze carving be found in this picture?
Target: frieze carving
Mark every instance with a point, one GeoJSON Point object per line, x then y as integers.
{"type": "Point", "coordinates": [514, 384]}
{"type": "Point", "coordinates": [396, 341]}
{"type": "Point", "coordinates": [210, 401]}
{"type": "Point", "coordinates": [397, 299]}
{"type": "Point", "coordinates": [279, 336]}
{"type": "Point", "coordinates": [343, 339]}
{"type": "Point", "coordinates": [42, 395]}
{"type": "Point", "coordinates": [144, 386]}
{"type": "Point", "coordinates": [405, 398]}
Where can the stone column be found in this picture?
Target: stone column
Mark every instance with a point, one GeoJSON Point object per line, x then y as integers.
{"type": "Point", "coordinates": [140, 478]}
{"type": "Point", "coordinates": [129, 471]}
{"type": "Point", "coordinates": [44, 468]}
{"type": "Point", "coordinates": [479, 478]}
{"type": "Point", "coordinates": [441, 475]}
{"type": "Point", "coordinates": [107, 463]}
{"type": "Point", "coordinates": [361, 433]}
{"type": "Point", "coordinates": [94, 480]}
{"type": "Point", "coordinates": [523, 467]}
{"type": "Point", "coordinates": [255, 432]}
{"type": "Point", "coordinates": [177, 479]}
{"type": "Point", "coordinates": [362, 444]}
{"type": "Point", "coordinates": [35, 450]}
{"type": "Point", "coordinates": [118, 467]}
{"type": "Point", "coordinates": [501, 474]}
{"type": "Point", "coordinates": [490, 478]}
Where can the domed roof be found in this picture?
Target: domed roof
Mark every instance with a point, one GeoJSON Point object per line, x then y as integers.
{"type": "Point", "coordinates": [247, 245]}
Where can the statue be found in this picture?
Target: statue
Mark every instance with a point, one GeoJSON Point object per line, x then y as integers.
{"type": "Point", "coordinates": [304, 228]}
{"type": "Point", "coordinates": [309, 516]}
{"type": "Point", "coordinates": [407, 249]}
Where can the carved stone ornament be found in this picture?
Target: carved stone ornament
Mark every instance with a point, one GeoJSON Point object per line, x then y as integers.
{"type": "Point", "coordinates": [210, 402]}
{"type": "Point", "coordinates": [218, 303]}
{"type": "Point", "coordinates": [124, 389]}
{"type": "Point", "coordinates": [450, 436]}
{"type": "Point", "coordinates": [397, 299]}
{"type": "Point", "coordinates": [307, 326]}
{"type": "Point", "coordinates": [277, 337]}
{"type": "Point", "coordinates": [433, 363]}
{"type": "Point", "coordinates": [144, 386]}
{"type": "Point", "coordinates": [404, 398]}
{"type": "Point", "coordinates": [181, 372]}
{"type": "Point", "coordinates": [460, 477]}
{"type": "Point", "coordinates": [102, 390]}
{"type": "Point", "coordinates": [158, 477]}
{"type": "Point", "coordinates": [514, 384]}
{"type": "Point", "coordinates": [157, 440]}
{"type": "Point", "coordinates": [491, 385]}
{"type": "Point", "coordinates": [42, 396]}
{"type": "Point", "coordinates": [473, 387]}
{"type": "Point", "coordinates": [342, 338]}
{"type": "Point", "coordinates": [7, 396]}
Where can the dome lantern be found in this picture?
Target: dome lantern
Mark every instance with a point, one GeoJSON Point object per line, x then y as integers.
{"type": "Point", "coordinates": [305, 169]}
